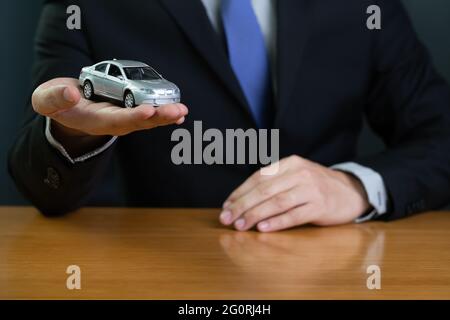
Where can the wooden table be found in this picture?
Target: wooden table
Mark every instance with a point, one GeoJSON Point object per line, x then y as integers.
{"type": "Point", "coordinates": [187, 254]}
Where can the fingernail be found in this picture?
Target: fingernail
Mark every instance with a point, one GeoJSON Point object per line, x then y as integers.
{"type": "Point", "coordinates": [67, 96]}
{"type": "Point", "coordinates": [226, 204]}
{"type": "Point", "coordinates": [239, 224]}
{"type": "Point", "coordinates": [225, 217]}
{"type": "Point", "coordinates": [180, 121]}
{"type": "Point", "coordinates": [263, 226]}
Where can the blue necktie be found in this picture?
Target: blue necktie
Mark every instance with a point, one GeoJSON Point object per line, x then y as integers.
{"type": "Point", "coordinates": [248, 56]}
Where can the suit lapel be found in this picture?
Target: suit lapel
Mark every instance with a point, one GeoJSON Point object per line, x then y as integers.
{"type": "Point", "coordinates": [191, 17]}
{"type": "Point", "coordinates": [294, 19]}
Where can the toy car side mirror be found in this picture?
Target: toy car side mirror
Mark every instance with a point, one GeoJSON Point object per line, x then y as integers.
{"type": "Point", "coordinates": [121, 77]}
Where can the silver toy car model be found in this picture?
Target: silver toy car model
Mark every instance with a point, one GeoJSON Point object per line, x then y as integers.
{"type": "Point", "coordinates": [131, 82]}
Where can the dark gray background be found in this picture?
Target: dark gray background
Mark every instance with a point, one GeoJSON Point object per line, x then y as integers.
{"type": "Point", "coordinates": [18, 21]}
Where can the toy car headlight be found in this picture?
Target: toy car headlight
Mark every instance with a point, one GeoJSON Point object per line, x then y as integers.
{"type": "Point", "coordinates": [160, 91]}
{"type": "Point", "coordinates": [146, 90]}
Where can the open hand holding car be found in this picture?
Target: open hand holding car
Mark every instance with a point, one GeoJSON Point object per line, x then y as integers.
{"type": "Point", "coordinates": [79, 124]}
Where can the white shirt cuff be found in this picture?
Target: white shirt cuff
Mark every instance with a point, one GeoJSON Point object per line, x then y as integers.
{"type": "Point", "coordinates": [54, 143]}
{"type": "Point", "coordinates": [374, 186]}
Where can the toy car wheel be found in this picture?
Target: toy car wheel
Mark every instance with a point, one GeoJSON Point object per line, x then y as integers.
{"type": "Point", "coordinates": [128, 100]}
{"type": "Point", "coordinates": [88, 90]}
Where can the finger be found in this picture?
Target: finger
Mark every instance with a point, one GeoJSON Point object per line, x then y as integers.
{"type": "Point", "coordinates": [169, 114]}
{"type": "Point", "coordinates": [294, 217]}
{"type": "Point", "coordinates": [278, 204]}
{"type": "Point", "coordinates": [120, 121]}
{"type": "Point", "coordinates": [181, 120]}
{"type": "Point", "coordinates": [245, 187]}
{"type": "Point", "coordinates": [103, 118]}
{"type": "Point", "coordinates": [124, 120]}
{"type": "Point", "coordinates": [258, 194]}
{"type": "Point", "coordinates": [284, 165]}
{"type": "Point", "coordinates": [251, 182]}
{"type": "Point", "coordinates": [165, 115]}
{"type": "Point", "coordinates": [48, 100]}
{"type": "Point", "coordinates": [183, 108]}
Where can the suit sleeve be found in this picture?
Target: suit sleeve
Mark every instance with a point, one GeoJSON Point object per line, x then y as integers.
{"type": "Point", "coordinates": [409, 107]}
{"type": "Point", "coordinates": [41, 173]}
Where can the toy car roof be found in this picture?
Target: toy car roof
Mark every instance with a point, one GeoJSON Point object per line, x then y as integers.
{"type": "Point", "coordinates": [126, 63]}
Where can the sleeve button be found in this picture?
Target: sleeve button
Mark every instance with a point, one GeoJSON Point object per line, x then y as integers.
{"type": "Point", "coordinates": [52, 180]}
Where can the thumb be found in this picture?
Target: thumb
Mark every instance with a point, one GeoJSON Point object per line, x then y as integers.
{"type": "Point", "coordinates": [54, 98]}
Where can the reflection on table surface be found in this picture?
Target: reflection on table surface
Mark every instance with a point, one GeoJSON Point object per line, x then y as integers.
{"type": "Point", "coordinates": [186, 253]}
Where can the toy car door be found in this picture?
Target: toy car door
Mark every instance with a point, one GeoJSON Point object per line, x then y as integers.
{"type": "Point", "coordinates": [114, 82]}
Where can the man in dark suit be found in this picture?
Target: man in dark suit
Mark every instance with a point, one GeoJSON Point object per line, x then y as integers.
{"type": "Point", "coordinates": [310, 68]}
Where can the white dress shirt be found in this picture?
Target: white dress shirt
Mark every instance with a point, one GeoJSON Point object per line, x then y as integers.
{"type": "Point", "coordinates": [265, 12]}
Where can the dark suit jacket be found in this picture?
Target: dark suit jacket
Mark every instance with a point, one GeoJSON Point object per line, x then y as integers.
{"type": "Point", "coordinates": [331, 72]}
